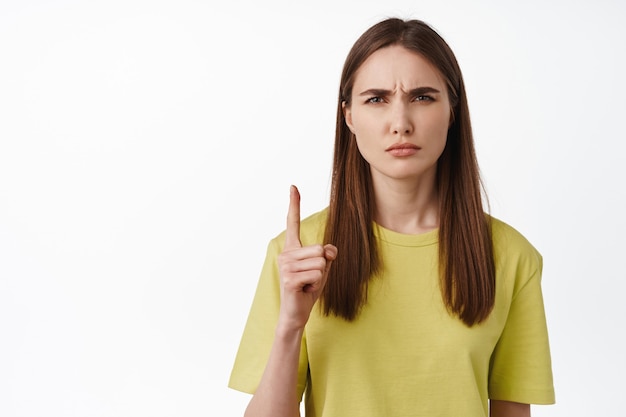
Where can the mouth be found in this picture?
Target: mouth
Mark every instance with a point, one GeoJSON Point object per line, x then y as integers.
{"type": "Point", "coordinates": [403, 149]}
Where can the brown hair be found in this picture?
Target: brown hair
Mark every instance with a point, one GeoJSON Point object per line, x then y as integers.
{"type": "Point", "coordinates": [466, 260]}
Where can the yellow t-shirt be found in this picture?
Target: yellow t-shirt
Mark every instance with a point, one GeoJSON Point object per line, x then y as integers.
{"type": "Point", "coordinates": [405, 355]}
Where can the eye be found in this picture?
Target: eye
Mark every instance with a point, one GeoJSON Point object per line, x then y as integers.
{"type": "Point", "coordinates": [374, 100]}
{"type": "Point", "coordinates": [423, 98]}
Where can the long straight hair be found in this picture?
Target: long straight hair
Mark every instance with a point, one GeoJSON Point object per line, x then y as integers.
{"type": "Point", "coordinates": [466, 260]}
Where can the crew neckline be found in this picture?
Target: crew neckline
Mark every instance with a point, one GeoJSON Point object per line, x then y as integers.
{"type": "Point", "coordinates": [401, 239]}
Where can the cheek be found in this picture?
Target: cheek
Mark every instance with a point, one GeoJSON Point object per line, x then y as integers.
{"type": "Point", "coordinates": [357, 124]}
{"type": "Point", "coordinates": [437, 133]}
{"type": "Point", "coordinates": [366, 121]}
{"type": "Point", "coordinates": [364, 144]}
{"type": "Point", "coordinates": [361, 144]}
{"type": "Point", "coordinates": [438, 125]}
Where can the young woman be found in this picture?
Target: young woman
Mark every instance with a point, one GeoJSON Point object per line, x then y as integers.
{"type": "Point", "coordinates": [402, 298]}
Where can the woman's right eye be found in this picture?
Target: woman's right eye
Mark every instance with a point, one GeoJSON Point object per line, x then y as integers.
{"type": "Point", "coordinates": [375, 100]}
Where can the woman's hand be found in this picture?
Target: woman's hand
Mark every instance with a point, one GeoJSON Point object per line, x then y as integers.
{"type": "Point", "coordinates": [303, 270]}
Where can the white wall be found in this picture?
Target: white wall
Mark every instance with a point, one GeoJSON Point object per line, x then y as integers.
{"type": "Point", "coordinates": [146, 149]}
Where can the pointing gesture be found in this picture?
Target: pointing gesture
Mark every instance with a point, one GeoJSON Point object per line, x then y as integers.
{"type": "Point", "coordinates": [303, 270]}
{"type": "Point", "coordinates": [292, 238]}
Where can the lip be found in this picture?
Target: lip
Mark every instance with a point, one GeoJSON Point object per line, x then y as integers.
{"type": "Point", "coordinates": [403, 149]}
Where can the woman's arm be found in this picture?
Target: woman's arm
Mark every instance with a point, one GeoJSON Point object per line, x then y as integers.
{"type": "Point", "coordinates": [303, 272]}
{"type": "Point", "coordinates": [499, 408]}
{"type": "Point", "coordinates": [277, 394]}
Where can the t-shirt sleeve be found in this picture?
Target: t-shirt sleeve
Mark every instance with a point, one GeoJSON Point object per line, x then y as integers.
{"type": "Point", "coordinates": [521, 369]}
{"type": "Point", "coordinates": [258, 335]}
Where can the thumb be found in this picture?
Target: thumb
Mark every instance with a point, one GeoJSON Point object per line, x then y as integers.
{"type": "Point", "coordinates": [330, 253]}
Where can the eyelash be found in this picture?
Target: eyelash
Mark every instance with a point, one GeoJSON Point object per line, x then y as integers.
{"type": "Point", "coordinates": [377, 99]}
{"type": "Point", "coordinates": [374, 100]}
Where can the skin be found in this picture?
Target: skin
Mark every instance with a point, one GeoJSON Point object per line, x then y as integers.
{"type": "Point", "coordinates": [399, 99]}
{"type": "Point", "coordinates": [508, 409]}
{"type": "Point", "coordinates": [303, 273]}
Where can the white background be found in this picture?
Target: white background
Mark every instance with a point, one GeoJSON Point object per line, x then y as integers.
{"type": "Point", "coordinates": [147, 147]}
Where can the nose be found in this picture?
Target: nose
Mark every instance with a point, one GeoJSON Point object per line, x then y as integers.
{"type": "Point", "coordinates": [401, 123]}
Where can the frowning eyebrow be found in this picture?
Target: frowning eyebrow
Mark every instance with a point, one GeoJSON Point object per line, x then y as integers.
{"type": "Point", "coordinates": [379, 92]}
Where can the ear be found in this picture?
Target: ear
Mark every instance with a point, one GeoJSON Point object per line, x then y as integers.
{"type": "Point", "coordinates": [347, 114]}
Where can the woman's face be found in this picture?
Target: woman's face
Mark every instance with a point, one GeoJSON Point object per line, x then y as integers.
{"type": "Point", "coordinates": [400, 114]}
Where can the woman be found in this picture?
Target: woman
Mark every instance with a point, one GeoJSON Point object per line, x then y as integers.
{"type": "Point", "coordinates": [402, 298]}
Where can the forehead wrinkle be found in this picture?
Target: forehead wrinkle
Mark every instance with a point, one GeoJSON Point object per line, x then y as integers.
{"type": "Point", "coordinates": [380, 72]}
{"type": "Point", "coordinates": [394, 83]}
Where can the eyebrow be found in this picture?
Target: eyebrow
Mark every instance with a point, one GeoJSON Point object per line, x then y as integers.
{"type": "Point", "coordinates": [414, 92]}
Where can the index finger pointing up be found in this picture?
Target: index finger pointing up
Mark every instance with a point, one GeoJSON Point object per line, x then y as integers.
{"type": "Point", "coordinates": [292, 238]}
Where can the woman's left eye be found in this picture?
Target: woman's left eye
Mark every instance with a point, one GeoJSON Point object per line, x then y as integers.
{"type": "Point", "coordinates": [423, 98]}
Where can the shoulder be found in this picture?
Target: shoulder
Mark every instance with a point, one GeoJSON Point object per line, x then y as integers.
{"type": "Point", "coordinates": [511, 246]}
{"type": "Point", "coordinates": [314, 222]}
{"type": "Point", "coordinates": [513, 252]}
{"type": "Point", "coordinates": [508, 239]}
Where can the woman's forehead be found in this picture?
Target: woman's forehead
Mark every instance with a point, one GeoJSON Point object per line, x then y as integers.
{"type": "Point", "coordinates": [396, 67]}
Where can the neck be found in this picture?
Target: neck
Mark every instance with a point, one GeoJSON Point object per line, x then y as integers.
{"type": "Point", "coordinates": [409, 207]}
